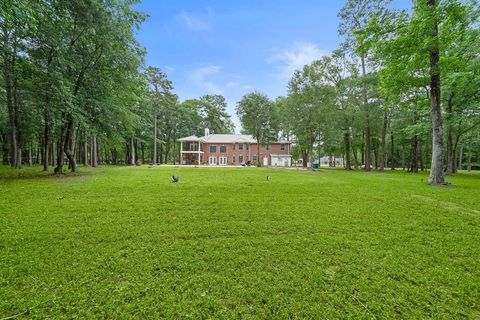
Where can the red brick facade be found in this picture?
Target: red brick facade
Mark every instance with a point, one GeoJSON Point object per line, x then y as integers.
{"type": "Point", "coordinates": [237, 153]}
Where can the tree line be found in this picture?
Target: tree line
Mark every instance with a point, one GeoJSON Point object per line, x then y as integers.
{"type": "Point", "coordinates": [74, 89]}
{"type": "Point", "coordinates": [401, 91]}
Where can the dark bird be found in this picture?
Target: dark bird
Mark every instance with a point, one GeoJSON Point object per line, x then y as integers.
{"type": "Point", "coordinates": [267, 178]}
{"type": "Point", "coordinates": [175, 179]}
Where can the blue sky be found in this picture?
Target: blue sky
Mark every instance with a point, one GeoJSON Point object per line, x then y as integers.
{"type": "Point", "coordinates": [235, 47]}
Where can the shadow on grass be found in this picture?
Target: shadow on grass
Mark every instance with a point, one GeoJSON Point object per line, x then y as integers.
{"type": "Point", "coordinates": [36, 172]}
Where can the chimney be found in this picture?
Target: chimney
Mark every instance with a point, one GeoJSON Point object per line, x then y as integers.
{"type": "Point", "coordinates": [207, 132]}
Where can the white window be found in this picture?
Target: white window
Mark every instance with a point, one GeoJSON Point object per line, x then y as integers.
{"type": "Point", "coordinates": [212, 160]}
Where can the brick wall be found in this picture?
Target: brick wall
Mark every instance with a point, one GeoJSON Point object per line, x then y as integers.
{"type": "Point", "coordinates": [236, 154]}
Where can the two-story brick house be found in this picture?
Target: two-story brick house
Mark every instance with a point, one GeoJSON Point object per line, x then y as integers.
{"type": "Point", "coordinates": [232, 149]}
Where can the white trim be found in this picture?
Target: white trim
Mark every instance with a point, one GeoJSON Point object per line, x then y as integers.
{"type": "Point", "coordinates": [223, 160]}
{"type": "Point", "coordinates": [214, 162]}
{"type": "Point", "coordinates": [265, 160]}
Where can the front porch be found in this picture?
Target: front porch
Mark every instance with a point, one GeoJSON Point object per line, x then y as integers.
{"type": "Point", "coordinates": [191, 151]}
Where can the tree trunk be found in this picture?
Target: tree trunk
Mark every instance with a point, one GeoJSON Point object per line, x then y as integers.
{"type": "Point", "coordinates": [60, 150]}
{"type": "Point", "coordinates": [7, 81]}
{"type": "Point", "coordinates": [469, 160]}
{"type": "Point", "coordinates": [93, 153]}
{"type": "Point", "coordinates": [154, 156]}
{"type": "Point", "coordinates": [420, 156]}
{"type": "Point", "coordinates": [30, 158]}
{"type": "Point", "coordinates": [38, 153]}
{"type": "Point", "coordinates": [455, 149]}
{"type": "Point", "coordinates": [106, 153]}
{"type": "Point", "coordinates": [132, 151]}
{"type": "Point", "coordinates": [53, 152]}
{"type": "Point", "coordinates": [135, 148]}
{"type": "Point", "coordinates": [98, 154]}
{"type": "Point", "coordinates": [355, 155]}
{"type": "Point", "coordinates": [46, 141]}
{"type": "Point", "coordinates": [414, 155]}
{"type": "Point", "coordinates": [414, 144]}
{"type": "Point", "coordinates": [160, 154]}
{"type": "Point", "coordinates": [85, 152]}
{"type": "Point", "coordinates": [70, 144]}
{"type": "Point", "coordinates": [450, 153]}
{"type": "Point", "coordinates": [8, 63]}
{"type": "Point", "coordinates": [460, 157]}
{"type": "Point", "coordinates": [436, 171]}
{"type": "Point", "coordinates": [368, 160]}
{"type": "Point", "coordinates": [167, 152]}
{"type": "Point", "coordinates": [19, 158]}
{"type": "Point", "coordinates": [5, 149]}
{"type": "Point", "coordinates": [362, 148]}
{"type": "Point", "coordinates": [392, 146]}
{"type": "Point", "coordinates": [304, 156]}
{"type": "Point", "coordinates": [384, 136]}
{"type": "Point", "coordinates": [348, 165]}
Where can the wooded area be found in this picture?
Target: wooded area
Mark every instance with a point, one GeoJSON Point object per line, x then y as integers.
{"type": "Point", "coordinates": [383, 98]}
{"type": "Point", "coordinates": [401, 92]}
{"type": "Point", "coordinates": [75, 89]}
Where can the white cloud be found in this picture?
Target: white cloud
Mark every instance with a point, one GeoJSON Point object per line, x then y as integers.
{"type": "Point", "coordinates": [288, 60]}
{"type": "Point", "coordinates": [201, 77]}
{"type": "Point", "coordinates": [169, 69]}
{"type": "Point", "coordinates": [213, 79]}
{"type": "Point", "coordinates": [232, 84]}
{"type": "Point", "coordinates": [196, 21]}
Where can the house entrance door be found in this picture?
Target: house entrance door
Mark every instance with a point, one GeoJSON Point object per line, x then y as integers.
{"type": "Point", "coordinates": [265, 161]}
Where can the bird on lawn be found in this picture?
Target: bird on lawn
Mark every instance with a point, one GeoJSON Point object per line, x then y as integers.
{"type": "Point", "coordinates": [267, 178]}
{"type": "Point", "coordinates": [175, 179]}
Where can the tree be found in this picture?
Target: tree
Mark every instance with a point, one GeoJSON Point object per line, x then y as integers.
{"type": "Point", "coordinates": [17, 24]}
{"type": "Point", "coordinates": [354, 17]}
{"type": "Point", "coordinates": [311, 101]}
{"type": "Point", "coordinates": [259, 118]}
{"type": "Point", "coordinates": [214, 113]}
{"type": "Point", "coordinates": [340, 74]}
{"type": "Point", "coordinates": [160, 88]}
{"type": "Point", "coordinates": [418, 49]}
{"type": "Point", "coordinates": [436, 171]}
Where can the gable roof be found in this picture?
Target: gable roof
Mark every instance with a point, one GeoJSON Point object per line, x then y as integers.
{"type": "Point", "coordinates": [225, 138]}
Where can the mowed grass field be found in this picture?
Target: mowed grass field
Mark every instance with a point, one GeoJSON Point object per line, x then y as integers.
{"type": "Point", "coordinates": [223, 243]}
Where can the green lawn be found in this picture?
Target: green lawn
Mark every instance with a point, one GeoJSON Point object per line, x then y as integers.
{"type": "Point", "coordinates": [124, 242]}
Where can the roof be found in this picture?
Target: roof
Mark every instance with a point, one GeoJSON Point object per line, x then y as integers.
{"type": "Point", "coordinates": [228, 138]}
{"type": "Point", "coordinates": [191, 139]}
{"type": "Point", "coordinates": [225, 138]}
